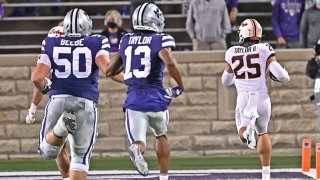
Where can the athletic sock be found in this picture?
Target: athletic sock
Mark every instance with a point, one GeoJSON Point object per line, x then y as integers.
{"type": "Point", "coordinates": [163, 177]}
{"type": "Point", "coordinates": [60, 128]}
{"type": "Point", "coordinates": [265, 172]}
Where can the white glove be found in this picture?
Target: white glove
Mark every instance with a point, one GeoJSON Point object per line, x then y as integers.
{"type": "Point", "coordinates": [31, 112]}
{"type": "Point", "coordinates": [174, 92]}
{"type": "Point", "coordinates": [30, 117]}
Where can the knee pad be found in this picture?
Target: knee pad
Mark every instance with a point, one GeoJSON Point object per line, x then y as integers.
{"type": "Point", "coordinates": [49, 151]}
{"type": "Point", "coordinates": [79, 167]}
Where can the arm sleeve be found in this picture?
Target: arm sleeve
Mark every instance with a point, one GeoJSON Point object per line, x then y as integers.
{"type": "Point", "coordinates": [304, 30]}
{"type": "Point", "coordinates": [235, 3]}
{"type": "Point", "coordinates": [168, 41]}
{"type": "Point", "coordinates": [226, 25]}
{"type": "Point", "coordinates": [227, 79]}
{"type": "Point", "coordinates": [280, 73]}
{"type": "Point", "coordinates": [275, 19]}
{"type": "Point", "coordinates": [190, 21]}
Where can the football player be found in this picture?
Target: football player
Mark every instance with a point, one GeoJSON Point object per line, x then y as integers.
{"type": "Point", "coordinates": [143, 56]}
{"type": "Point", "coordinates": [62, 160]}
{"type": "Point", "coordinates": [75, 61]}
{"type": "Point", "coordinates": [247, 65]}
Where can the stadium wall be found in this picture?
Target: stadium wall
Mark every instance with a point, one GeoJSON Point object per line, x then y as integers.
{"type": "Point", "coordinates": [201, 120]}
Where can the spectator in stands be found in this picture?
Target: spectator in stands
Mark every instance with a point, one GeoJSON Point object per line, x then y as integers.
{"type": "Point", "coordinates": [207, 24]}
{"type": "Point", "coordinates": [232, 6]}
{"type": "Point", "coordinates": [309, 4]}
{"type": "Point", "coordinates": [310, 25]}
{"type": "Point", "coordinates": [2, 8]}
{"type": "Point", "coordinates": [286, 17]}
{"type": "Point", "coordinates": [113, 30]}
{"type": "Point", "coordinates": [185, 6]}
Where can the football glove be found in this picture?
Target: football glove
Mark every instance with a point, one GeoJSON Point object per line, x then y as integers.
{"type": "Point", "coordinates": [47, 87]}
{"type": "Point", "coordinates": [174, 92]}
{"type": "Point", "coordinates": [30, 117]}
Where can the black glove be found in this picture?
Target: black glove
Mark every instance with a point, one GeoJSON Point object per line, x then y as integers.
{"type": "Point", "coordinates": [312, 68]}
{"type": "Point", "coordinates": [46, 89]}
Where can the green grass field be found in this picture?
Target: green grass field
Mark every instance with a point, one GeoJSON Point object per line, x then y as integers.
{"type": "Point", "coordinates": [176, 163]}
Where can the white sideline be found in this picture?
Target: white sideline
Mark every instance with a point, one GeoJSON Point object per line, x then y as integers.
{"type": "Point", "coordinates": [311, 173]}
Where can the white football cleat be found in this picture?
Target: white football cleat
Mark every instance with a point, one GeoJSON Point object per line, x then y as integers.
{"type": "Point", "coordinates": [249, 135]}
{"type": "Point", "coordinates": [138, 160]}
{"type": "Point", "coordinates": [30, 117]}
{"type": "Point", "coordinates": [69, 120]}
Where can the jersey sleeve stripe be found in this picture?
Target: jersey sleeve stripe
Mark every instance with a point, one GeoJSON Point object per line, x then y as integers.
{"type": "Point", "coordinates": [167, 37]}
{"type": "Point", "coordinates": [169, 44]}
{"type": "Point", "coordinates": [105, 46]}
{"type": "Point", "coordinates": [105, 40]}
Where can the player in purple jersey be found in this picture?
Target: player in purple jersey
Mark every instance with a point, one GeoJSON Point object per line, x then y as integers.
{"type": "Point", "coordinates": [62, 159]}
{"type": "Point", "coordinates": [74, 61]}
{"type": "Point", "coordinates": [143, 56]}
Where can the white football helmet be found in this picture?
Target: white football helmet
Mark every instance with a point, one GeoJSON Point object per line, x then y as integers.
{"type": "Point", "coordinates": [251, 29]}
{"type": "Point", "coordinates": [148, 17]}
{"type": "Point", "coordinates": [77, 23]}
{"type": "Point", "coordinates": [56, 31]}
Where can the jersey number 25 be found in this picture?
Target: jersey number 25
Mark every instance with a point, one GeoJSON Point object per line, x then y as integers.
{"type": "Point", "coordinates": [249, 58]}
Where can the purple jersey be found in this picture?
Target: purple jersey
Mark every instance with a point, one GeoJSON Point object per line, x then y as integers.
{"type": "Point", "coordinates": [72, 62]}
{"type": "Point", "coordinates": [144, 70]}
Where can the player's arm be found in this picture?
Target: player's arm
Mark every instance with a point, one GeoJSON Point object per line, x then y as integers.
{"type": "Point", "coordinates": [227, 77]}
{"type": "Point", "coordinates": [38, 77]}
{"type": "Point", "coordinates": [36, 99]}
{"type": "Point", "coordinates": [103, 61]}
{"type": "Point", "coordinates": [116, 66]}
{"type": "Point", "coordinates": [277, 70]}
{"type": "Point", "coordinates": [171, 64]}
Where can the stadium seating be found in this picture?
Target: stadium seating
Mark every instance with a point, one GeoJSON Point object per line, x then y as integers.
{"type": "Point", "coordinates": [24, 34]}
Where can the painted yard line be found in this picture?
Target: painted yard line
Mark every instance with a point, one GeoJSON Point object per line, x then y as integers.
{"type": "Point", "coordinates": [112, 172]}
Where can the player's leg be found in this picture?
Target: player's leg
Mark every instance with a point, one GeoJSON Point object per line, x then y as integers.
{"type": "Point", "coordinates": [63, 162]}
{"type": "Point", "coordinates": [158, 123]}
{"type": "Point", "coordinates": [47, 147]}
{"type": "Point", "coordinates": [66, 124]}
{"type": "Point", "coordinates": [245, 131]}
{"type": "Point", "coordinates": [264, 144]}
{"type": "Point", "coordinates": [136, 127]}
{"type": "Point", "coordinates": [83, 139]}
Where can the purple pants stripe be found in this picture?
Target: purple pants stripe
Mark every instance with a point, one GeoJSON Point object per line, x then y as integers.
{"type": "Point", "coordinates": [131, 140]}
{"type": "Point", "coordinates": [42, 133]}
{"type": "Point", "coordinates": [87, 155]}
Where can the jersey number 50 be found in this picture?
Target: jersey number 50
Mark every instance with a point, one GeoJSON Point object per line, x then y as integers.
{"type": "Point", "coordinates": [144, 61]}
{"type": "Point", "coordinates": [75, 66]}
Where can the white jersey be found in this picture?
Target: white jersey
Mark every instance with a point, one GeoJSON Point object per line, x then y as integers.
{"type": "Point", "coordinates": [249, 65]}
